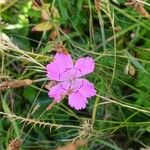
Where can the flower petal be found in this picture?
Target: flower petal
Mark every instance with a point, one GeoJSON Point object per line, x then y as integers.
{"type": "Point", "coordinates": [59, 91]}
{"type": "Point", "coordinates": [84, 87]}
{"type": "Point", "coordinates": [61, 63]}
{"type": "Point", "coordinates": [85, 65]}
{"type": "Point", "coordinates": [77, 100]}
{"type": "Point", "coordinates": [52, 72]}
{"type": "Point", "coordinates": [87, 88]}
{"type": "Point", "coordinates": [64, 60]}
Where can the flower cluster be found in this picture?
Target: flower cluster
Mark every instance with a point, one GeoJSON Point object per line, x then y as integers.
{"type": "Point", "coordinates": [70, 81]}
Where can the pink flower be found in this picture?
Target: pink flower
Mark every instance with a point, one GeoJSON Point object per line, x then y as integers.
{"type": "Point", "coordinates": [69, 79]}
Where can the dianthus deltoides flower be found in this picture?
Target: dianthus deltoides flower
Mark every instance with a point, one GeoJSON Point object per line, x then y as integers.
{"type": "Point", "coordinates": [70, 81]}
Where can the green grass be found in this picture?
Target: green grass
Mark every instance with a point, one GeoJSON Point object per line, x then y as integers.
{"type": "Point", "coordinates": [117, 37]}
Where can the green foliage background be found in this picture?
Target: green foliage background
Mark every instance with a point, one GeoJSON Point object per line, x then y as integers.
{"type": "Point", "coordinates": [117, 37]}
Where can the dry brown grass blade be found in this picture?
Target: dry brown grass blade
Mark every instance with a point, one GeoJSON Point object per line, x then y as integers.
{"type": "Point", "coordinates": [15, 84]}
{"type": "Point", "coordinates": [139, 7]}
{"type": "Point", "coordinates": [98, 5]}
{"type": "Point", "coordinates": [50, 84]}
{"type": "Point", "coordinates": [14, 144]}
{"type": "Point", "coordinates": [51, 105]}
{"type": "Point", "coordinates": [60, 48]}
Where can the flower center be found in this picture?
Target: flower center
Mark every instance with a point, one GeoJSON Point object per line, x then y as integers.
{"type": "Point", "coordinates": [70, 76]}
{"type": "Point", "coordinates": [72, 79]}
